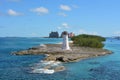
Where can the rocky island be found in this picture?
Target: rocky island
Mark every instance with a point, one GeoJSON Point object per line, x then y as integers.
{"type": "Point", "coordinates": [68, 52]}
{"type": "Point", "coordinates": [54, 52]}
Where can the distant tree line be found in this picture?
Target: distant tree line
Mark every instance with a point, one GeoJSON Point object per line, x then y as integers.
{"type": "Point", "coordinates": [85, 40]}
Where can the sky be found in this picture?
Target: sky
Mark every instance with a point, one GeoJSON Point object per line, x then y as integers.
{"type": "Point", "coordinates": [37, 18]}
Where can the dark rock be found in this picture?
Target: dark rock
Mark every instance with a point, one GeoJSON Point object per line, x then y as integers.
{"type": "Point", "coordinates": [61, 59]}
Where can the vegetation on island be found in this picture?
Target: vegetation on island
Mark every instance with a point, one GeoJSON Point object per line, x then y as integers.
{"type": "Point", "coordinates": [85, 40]}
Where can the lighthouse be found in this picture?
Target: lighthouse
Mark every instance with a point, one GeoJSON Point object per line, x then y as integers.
{"type": "Point", "coordinates": [65, 44]}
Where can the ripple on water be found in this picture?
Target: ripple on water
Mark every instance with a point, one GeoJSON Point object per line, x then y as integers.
{"type": "Point", "coordinates": [106, 71]}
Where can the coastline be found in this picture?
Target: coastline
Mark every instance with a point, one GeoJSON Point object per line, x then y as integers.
{"type": "Point", "coordinates": [55, 54]}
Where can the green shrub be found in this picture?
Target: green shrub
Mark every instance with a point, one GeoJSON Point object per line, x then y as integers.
{"type": "Point", "coordinates": [85, 40]}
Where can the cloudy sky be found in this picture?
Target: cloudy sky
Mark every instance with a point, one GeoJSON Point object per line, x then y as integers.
{"type": "Point", "coordinates": [37, 18]}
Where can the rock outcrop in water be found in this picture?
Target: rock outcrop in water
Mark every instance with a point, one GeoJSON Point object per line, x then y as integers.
{"type": "Point", "coordinates": [55, 53]}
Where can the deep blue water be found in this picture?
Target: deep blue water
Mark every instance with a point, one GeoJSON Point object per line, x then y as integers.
{"type": "Point", "coordinates": [13, 67]}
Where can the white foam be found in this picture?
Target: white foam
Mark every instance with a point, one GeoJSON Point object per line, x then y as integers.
{"type": "Point", "coordinates": [43, 45]}
{"type": "Point", "coordinates": [41, 67]}
{"type": "Point", "coordinates": [52, 63]}
{"type": "Point", "coordinates": [56, 63]}
{"type": "Point", "coordinates": [46, 71]}
{"type": "Point", "coordinates": [47, 62]}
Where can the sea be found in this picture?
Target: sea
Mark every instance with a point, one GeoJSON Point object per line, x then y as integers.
{"type": "Point", "coordinates": [29, 67]}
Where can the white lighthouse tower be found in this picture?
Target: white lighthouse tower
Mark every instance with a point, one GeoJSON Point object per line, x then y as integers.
{"type": "Point", "coordinates": [65, 44]}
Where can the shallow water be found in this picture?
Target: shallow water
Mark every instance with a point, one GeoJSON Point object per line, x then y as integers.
{"type": "Point", "coordinates": [14, 67]}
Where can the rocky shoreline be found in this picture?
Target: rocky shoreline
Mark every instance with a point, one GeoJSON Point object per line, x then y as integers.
{"type": "Point", "coordinates": [55, 53]}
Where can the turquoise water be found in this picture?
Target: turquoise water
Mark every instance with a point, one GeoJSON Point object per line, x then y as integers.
{"type": "Point", "coordinates": [14, 67]}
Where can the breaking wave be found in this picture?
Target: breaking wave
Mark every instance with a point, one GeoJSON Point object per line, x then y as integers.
{"type": "Point", "coordinates": [46, 67]}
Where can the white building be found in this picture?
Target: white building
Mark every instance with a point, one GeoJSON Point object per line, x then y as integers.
{"type": "Point", "coordinates": [65, 44]}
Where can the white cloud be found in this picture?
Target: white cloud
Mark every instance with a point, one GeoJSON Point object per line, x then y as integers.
{"type": "Point", "coordinates": [62, 14]}
{"type": "Point", "coordinates": [117, 33]}
{"type": "Point", "coordinates": [14, 13]}
{"type": "Point", "coordinates": [63, 26]}
{"type": "Point", "coordinates": [40, 10]}
{"type": "Point", "coordinates": [65, 7]}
